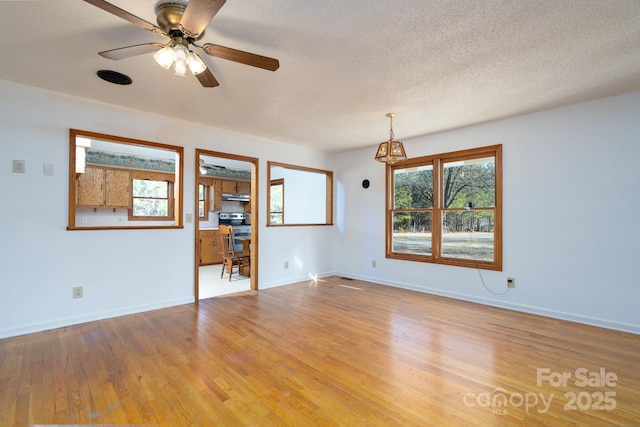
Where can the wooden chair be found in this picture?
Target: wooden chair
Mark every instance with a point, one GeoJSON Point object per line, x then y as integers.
{"type": "Point", "coordinates": [229, 256]}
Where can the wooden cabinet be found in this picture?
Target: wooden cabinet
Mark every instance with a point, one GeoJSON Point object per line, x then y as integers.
{"type": "Point", "coordinates": [243, 187]}
{"type": "Point", "coordinates": [100, 187]}
{"type": "Point", "coordinates": [236, 187]}
{"type": "Point", "coordinates": [228, 187]}
{"type": "Point", "coordinates": [215, 195]}
{"type": "Point", "coordinates": [209, 250]}
{"type": "Point", "coordinates": [117, 188]}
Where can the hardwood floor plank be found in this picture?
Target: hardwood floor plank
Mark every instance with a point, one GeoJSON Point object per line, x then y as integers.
{"type": "Point", "coordinates": [333, 352]}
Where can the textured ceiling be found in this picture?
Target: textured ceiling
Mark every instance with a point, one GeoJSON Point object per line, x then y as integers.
{"type": "Point", "coordinates": [343, 63]}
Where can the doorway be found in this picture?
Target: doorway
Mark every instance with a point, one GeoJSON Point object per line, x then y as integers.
{"type": "Point", "coordinates": [225, 183]}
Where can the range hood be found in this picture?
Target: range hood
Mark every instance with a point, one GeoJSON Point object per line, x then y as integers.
{"type": "Point", "coordinates": [235, 197]}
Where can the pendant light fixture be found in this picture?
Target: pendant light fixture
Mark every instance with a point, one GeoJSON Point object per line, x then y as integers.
{"type": "Point", "coordinates": [391, 151]}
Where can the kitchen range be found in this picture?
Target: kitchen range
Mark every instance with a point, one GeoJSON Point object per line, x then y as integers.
{"type": "Point", "coordinates": [240, 223]}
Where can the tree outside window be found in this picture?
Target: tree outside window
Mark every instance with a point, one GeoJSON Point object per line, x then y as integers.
{"type": "Point", "coordinates": [202, 200]}
{"type": "Point", "coordinates": [276, 205]}
{"type": "Point", "coordinates": [447, 209]}
{"type": "Point", "coordinates": [152, 195]}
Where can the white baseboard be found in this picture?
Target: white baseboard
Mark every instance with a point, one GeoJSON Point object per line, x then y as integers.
{"type": "Point", "coordinates": [541, 311]}
{"type": "Point", "coordinates": [268, 285]}
{"type": "Point", "coordinates": [75, 320]}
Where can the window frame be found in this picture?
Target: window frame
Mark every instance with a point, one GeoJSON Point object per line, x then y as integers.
{"type": "Point", "coordinates": [275, 183]}
{"type": "Point", "coordinates": [437, 210]}
{"type": "Point", "coordinates": [154, 176]}
{"type": "Point", "coordinates": [204, 201]}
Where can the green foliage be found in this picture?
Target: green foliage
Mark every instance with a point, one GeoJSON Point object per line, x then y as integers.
{"type": "Point", "coordinates": [466, 183]}
{"type": "Point", "coordinates": [463, 182]}
{"type": "Point", "coordinates": [150, 198]}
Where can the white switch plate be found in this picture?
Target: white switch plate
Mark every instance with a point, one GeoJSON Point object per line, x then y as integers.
{"type": "Point", "coordinates": [47, 168]}
{"type": "Point", "coordinates": [18, 166]}
{"type": "Point", "coordinates": [189, 218]}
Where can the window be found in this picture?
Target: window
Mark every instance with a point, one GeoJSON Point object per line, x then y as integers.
{"type": "Point", "coordinates": [202, 200]}
{"type": "Point", "coordinates": [308, 199]}
{"type": "Point", "coordinates": [446, 209]}
{"type": "Point", "coordinates": [152, 196]}
{"type": "Point", "coordinates": [276, 205]}
{"type": "Point", "coordinates": [123, 183]}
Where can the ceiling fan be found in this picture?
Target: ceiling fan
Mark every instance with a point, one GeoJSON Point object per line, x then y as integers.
{"type": "Point", "coordinates": [184, 24]}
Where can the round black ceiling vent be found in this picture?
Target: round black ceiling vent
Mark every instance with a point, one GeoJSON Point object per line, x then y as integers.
{"type": "Point", "coordinates": [114, 77]}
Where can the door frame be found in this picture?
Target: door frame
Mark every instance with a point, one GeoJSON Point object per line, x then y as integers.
{"type": "Point", "coordinates": [254, 216]}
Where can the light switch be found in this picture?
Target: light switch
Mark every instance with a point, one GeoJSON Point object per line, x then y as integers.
{"type": "Point", "coordinates": [189, 218]}
{"type": "Point", "coordinates": [47, 168]}
{"type": "Point", "coordinates": [18, 166]}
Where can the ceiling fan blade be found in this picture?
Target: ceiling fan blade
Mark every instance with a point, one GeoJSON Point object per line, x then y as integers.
{"type": "Point", "coordinates": [198, 14]}
{"type": "Point", "coordinates": [121, 13]}
{"type": "Point", "coordinates": [206, 79]}
{"type": "Point", "coordinates": [242, 57]}
{"type": "Point", "coordinates": [129, 51]}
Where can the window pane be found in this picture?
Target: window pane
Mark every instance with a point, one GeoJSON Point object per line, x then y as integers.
{"type": "Point", "coordinates": [469, 181]}
{"type": "Point", "coordinates": [148, 188]}
{"type": "Point", "coordinates": [201, 188]}
{"type": "Point", "coordinates": [201, 209]}
{"type": "Point", "coordinates": [276, 198]}
{"type": "Point", "coordinates": [468, 235]}
{"type": "Point", "coordinates": [412, 232]}
{"type": "Point", "coordinates": [413, 187]}
{"type": "Point", "coordinates": [276, 218]}
{"type": "Point", "coordinates": [150, 207]}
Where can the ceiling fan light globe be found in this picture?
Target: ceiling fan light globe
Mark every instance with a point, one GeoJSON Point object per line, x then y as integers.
{"type": "Point", "coordinates": [179, 68]}
{"type": "Point", "coordinates": [196, 64]}
{"type": "Point", "coordinates": [165, 57]}
{"type": "Point", "coordinates": [181, 52]}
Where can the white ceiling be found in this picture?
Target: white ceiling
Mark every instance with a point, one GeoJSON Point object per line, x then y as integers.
{"type": "Point", "coordinates": [343, 63]}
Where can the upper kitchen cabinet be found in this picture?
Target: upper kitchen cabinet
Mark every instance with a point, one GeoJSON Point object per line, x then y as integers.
{"type": "Point", "coordinates": [100, 187]}
{"type": "Point", "coordinates": [215, 197]}
{"type": "Point", "coordinates": [236, 187]}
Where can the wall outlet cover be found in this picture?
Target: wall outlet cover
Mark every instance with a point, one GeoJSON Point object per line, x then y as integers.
{"type": "Point", "coordinates": [19, 166]}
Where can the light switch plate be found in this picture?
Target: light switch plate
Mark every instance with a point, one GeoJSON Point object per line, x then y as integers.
{"type": "Point", "coordinates": [47, 168]}
{"type": "Point", "coordinates": [18, 166]}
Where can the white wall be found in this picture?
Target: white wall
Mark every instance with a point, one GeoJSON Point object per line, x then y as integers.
{"type": "Point", "coordinates": [305, 195]}
{"type": "Point", "coordinates": [571, 193]}
{"type": "Point", "coordinates": [122, 271]}
{"type": "Point", "coordinates": [576, 271]}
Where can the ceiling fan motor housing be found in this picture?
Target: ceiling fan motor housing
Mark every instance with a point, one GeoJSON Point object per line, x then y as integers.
{"type": "Point", "coordinates": [169, 16]}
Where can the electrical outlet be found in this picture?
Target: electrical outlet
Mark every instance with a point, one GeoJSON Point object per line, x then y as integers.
{"type": "Point", "coordinates": [511, 282]}
{"type": "Point", "coordinates": [18, 166]}
{"type": "Point", "coordinates": [84, 219]}
{"type": "Point", "coordinates": [286, 264]}
{"type": "Point", "coordinates": [373, 263]}
{"type": "Point", "coordinates": [77, 292]}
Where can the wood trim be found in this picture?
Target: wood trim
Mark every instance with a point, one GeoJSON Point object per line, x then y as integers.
{"type": "Point", "coordinates": [177, 179]}
{"type": "Point", "coordinates": [437, 161]}
{"type": "Point", "coordinates": [329, 204]}
{"type": "Point", "coordinates": [254, 202]}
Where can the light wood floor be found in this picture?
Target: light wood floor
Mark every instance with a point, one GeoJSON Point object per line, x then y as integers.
{"type": "Point", "coordinates": [337, 352]}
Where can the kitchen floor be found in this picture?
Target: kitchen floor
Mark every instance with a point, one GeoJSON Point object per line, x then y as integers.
{"type": "Point", "coordinates": [211, 285]}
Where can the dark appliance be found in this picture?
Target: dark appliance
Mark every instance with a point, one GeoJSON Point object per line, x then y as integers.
{"type": "Point", "coordinates": [237, 220]}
